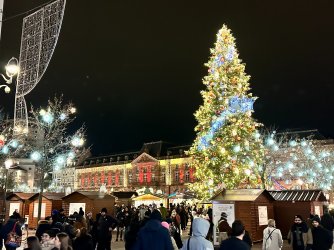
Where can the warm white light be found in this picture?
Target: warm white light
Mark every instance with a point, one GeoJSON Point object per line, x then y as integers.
{"type": "Point", "coordinates": [42, 112]}
{"type": "Point", "coordinates": [247, 172]}
{"type": "Point", "coordinates": [9, 163]}
{"type": "Point", "coordinates": [73, 110]}
{"type": "Point", "coordinates": [12, 69]}
{"type": "Point", "coordinates": [7, 89]}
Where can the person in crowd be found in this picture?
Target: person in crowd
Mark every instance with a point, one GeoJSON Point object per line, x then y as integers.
{"type": "Point", "coordinates": [81, 212]}
{"type": "Point", "coordinates": [184, 217]}
{"type": "Point", "coordinates": [322, 238]}
{"type": "Point", "coordinates": [210, 219]}
{"type": "Point", "coordinates": [166, 225]}
{"type": "Point", "coordinates": [90, 222]}
{"type": "Point", "coordinates": [163, 211]}
{"type": "Point", "coordinates": [236, 240]}
{"type": "Point", "coordinates": [327, 222]}
{"type": "Point", "coordinates": [61, 217]}
{"type": "Point", "coordinates": [197, 241]}
{"type": "Point", "coordinates": [62, 242]}
{"type": "Point", "coordinates": [223, 228]}
{"type": "Point", "coordinates": [12, 225]}
{"type": "Point", "coordinates": [43, 225]}
{"type": "Point", "coordinates": [153, 235]}
{"type": "Point", "coordinates": [131, 234]}
{"type": "Point", "coordinates": [248, 239]}
{"type": "Point", "coordinates": [33, 243]}
{"type": "Point", "coordinates": [194, 216]}
{"type": "Point", "coordinates": [105, 225]}
{"type": "Point", "coordinates": [142, 211]}
{"type": "Point", "coordinates": [120, 226]}
{"type": "Point", "coordinates": [84, 241]}
{"type": "Point", "coordinates": [176, 219]}
{"type": "Point", "coordinates": [175, 233]}
{"type": "Point", "coordinates": [80, 222]}
{"type": "Point", "coordinates": [300, 236]}
{"type": "Point", "coordinates": [48, 240]}
{"type": "Point", "coordinates": [272, 237]}
{"type": "Point", "coordinates": [16, 215]}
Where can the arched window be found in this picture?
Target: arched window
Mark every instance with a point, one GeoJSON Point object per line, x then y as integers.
{"type": "Point", "coordinates": [187, 176]}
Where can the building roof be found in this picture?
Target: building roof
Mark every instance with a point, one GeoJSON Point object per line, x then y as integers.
{"type": "Point", "coordinates": [20, 195]}
{"type": "Point", "coordinates": [298, 195]}
{"type": "Point", "coordinates": [49, 196]}
{"type": "Point", "coordinates": [158, 150]}
{"type": "Point", "coordinates": [92, 195]}
{"type": "Point", "coordinates": [240, 194]}
{"type": "Point", "coordinates": [125, 195]}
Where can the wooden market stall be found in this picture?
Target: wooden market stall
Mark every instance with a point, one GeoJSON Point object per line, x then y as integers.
{"type": "Point", "coordinates": [148, 199]}
{"type": "Point", "coordinates": [252, 206]}
{"type": "Point", "coordinates": [289, 203]}
{"type": "Point", "coordinates": [90, 201]}
{"type": "Point", "coordinates": [50, 202]}
{"type": "Point", "coordinates": [125, 197]}
{"type": "Point", "coordinates": [20, 202]}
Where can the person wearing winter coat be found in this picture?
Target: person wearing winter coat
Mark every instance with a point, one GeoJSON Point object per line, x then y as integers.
{"type": "Point", "coordinates": [166, 225]}
{"type": "Point", "coordinates": [327, 222]}
{"type": "Point", "coordinates": [153, 235]}
{"type": "Point", "coordinates": [272, 237]}
{"type": "Point", "coordinates": [300, 236]}
{"type": "Point", "coordinates": [197, 241]}
{"type": "Point", "coordinates": [223, 228]}
{"type": "Point", "coordinates": [104, 227]}
{"type": "Point", "coordinates": [322, 238]}
{"type": "Point", "coordinates": [8, 227]}
{"type": "Point", "coordinates": [84, 241]}
{"type": "Point", "coordinates": [236, 240]}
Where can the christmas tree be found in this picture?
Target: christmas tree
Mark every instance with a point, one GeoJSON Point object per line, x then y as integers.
{"type": "Point", "coordinates": [228, 150]}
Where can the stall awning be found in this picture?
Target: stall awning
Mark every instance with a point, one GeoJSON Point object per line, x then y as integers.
{"type": "Point", "coordinates": [298, 195]}
{"type": "Point", "coordinates": [147, 197]}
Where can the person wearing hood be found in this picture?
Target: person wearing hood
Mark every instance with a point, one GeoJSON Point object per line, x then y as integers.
{"type": "Point", "coordinates": [235, 242]}
{"type": "Point", "coordinates": [197, 241]}
{"type": "Point", "coordinates": [153, 235]}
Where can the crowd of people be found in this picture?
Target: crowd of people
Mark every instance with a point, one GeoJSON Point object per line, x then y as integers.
{"type": "Point", "coordinates": [156, 227]}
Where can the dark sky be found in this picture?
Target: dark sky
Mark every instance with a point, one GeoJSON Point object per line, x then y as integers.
{"type": "Point", "coordinates": [134, 68]}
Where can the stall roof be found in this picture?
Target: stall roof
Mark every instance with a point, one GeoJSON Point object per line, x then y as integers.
{"type": "Point", "coordinates": [20, 195]}
{"type": "Point", "coordinates": [298, 195]}
{"type": "Point", "coordinates": [93, 195]}
{"type": "Point", "coordinates": [146, 197]}
{"type": "Point", "coordinates": [125, 195]}
{"type": "Point", "coordinates": [49, 196]}
{"type": "Point", "coordinates": [240, 194]}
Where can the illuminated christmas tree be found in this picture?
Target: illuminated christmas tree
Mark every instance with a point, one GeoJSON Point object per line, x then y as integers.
{"type": "Point", "coordinates": [228, 150]}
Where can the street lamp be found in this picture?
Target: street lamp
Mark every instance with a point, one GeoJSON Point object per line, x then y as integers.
{"type": "Point", "coordinates": [12, 69]}
{"type": "Point", "coordinates": [8, 164]}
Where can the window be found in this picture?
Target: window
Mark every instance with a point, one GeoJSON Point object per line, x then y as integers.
{"type": "Point", "coordinates": [163, 177]}
{"type": "Point", "coordinates": [177, 176]}
{"type": "Point", "coordinates": [187, 176]}
{"type": "Point", "coordinates": [130, 178]}
{"type": "Point", "coordinates": [145, 177]}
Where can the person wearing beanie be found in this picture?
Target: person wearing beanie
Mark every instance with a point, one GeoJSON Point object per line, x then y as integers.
{"type": "Point", "coordinates": [236, 240]}
{"type": "Point", "coordinates": [104, 227]}
{"type": "Point", "coordinates": [153, 235]}
{"type": "Point", "coordinates": [300, 236]}
{"type": "Point", "coordinates": [322, 238]}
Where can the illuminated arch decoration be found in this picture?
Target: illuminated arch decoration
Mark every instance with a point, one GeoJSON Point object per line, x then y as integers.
{"type": "Point", "coordinates": [40, 32]}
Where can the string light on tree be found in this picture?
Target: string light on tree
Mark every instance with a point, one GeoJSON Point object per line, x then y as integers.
{"type": "Point", "coordinates": [226, 132]}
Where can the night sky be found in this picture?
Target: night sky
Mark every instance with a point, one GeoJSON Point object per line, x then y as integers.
{"type": "Point", "coordinates": [134, 68]}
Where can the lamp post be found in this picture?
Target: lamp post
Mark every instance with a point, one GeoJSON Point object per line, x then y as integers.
{"type": "Point", "coordinates": [12, 69]}
{"type": "Point", "coordinates": [8, 164]}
